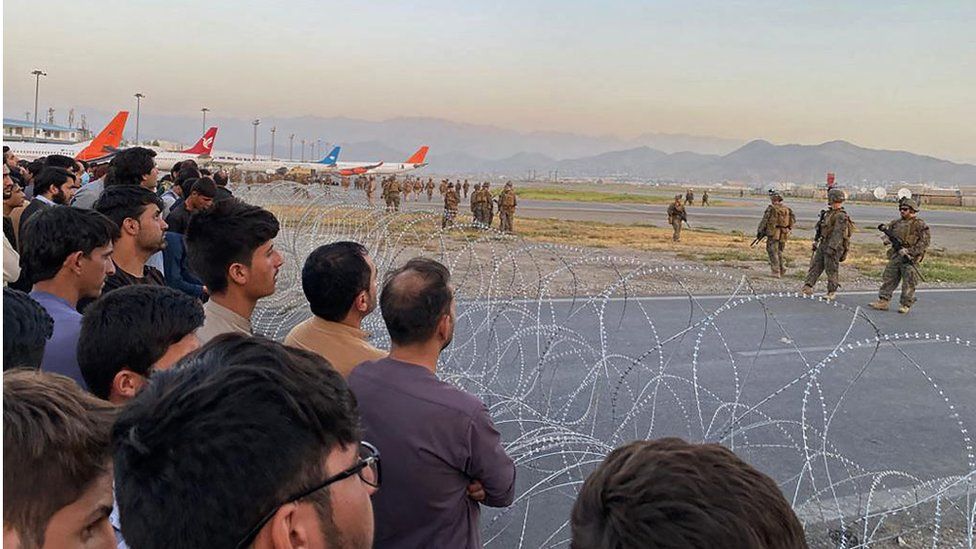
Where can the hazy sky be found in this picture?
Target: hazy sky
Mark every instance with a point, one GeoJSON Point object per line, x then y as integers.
{"type": "Point", "coordinates": [879, 73]}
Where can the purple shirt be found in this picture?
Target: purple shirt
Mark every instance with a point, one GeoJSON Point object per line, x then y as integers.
{"type": "Point", "coordinates": [434, 439]}
{"type": "Point", "coordinates": [61, 351]}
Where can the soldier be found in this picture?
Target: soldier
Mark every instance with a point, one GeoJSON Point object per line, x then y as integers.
{"type": "Point", "coordinates": [913, 237]}
{"type": "Point", "coordinates": [466, 186]}
{"type": "Point", "coordinates": [393, 194]}
{"type": "Point", "coordinates": [476, 207]}
{"type": "Point", "coordinates": [369, 185]}
{"type": "Point", "coordinates": [506, 208]}
{"type": "Point", "coordinates": [705, 198]}
{"type": "Point", "coordinates": [830, 245]}
{"type": "Point", "coordinates": [489, 214]}
{"type": "Point", "coordinates": [689, 198]}
{"type": "Point", "coordinates": [451, 201]}
{"type": "Point", "coordinates": [430, 189]}
{"type": "Point", "coordinates": [405, 188]}
{"type": "Point", "coordinates": [676, 214]}
{"type": "Point", "coordinates": [385, 195]}
{"type": "Point", "coordinates": [443, 187]}
{"type": "Point", "coordinates": [776, 225]}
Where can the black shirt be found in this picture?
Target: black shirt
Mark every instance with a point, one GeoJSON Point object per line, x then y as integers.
{"type": "Point", "coordinates": [178, 218]}
{"type": "Point", "coordinates": [150, 275]}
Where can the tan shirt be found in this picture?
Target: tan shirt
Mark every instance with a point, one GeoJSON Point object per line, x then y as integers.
{"type": "Point", "coordinates": [343, 346]}
{"type": "Point", "coordinates": [221, 320]}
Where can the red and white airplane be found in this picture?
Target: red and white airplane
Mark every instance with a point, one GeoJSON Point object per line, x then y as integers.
{"type": "Point", "coordinates": [200, 151]}
{"type": "Point", "coordinates": [415, 161]}
{"type": "Point", "coordinates": [101, 148]}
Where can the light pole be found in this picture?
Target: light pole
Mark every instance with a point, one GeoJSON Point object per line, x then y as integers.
{"type": "Point", "coordinates": [291, 141]}
{"type": "Point", "coordinates": [318, 148]}
{"type": "Point", "coordinates": [139, 97]}
{"type": "Point", "coordinates": [203, 127]}
{"type": "Point", "coordinates": [254, 153]}
{"type": "Point", "coordinates": [273, 130]}
{"type": "Point", "coordinates": [303, 149]}
{"type": "Point", "coordinates": [37, 84]}
{"type": "Point", "coordinates": [311, 151]}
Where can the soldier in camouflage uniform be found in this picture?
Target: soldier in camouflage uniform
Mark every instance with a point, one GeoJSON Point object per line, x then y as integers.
{"type": "Point", "coordinates": [466, 186]}
{"type": "Point", "coordinates": [705, 198]}
{"type": "Point", "coordinates": [385, 195]}
{"type": "Point", "coordinates": [370, 187]}
{"type": "Point", "coordinates": [393, 194]}
{"type": "Point", "coordinates": [451, 201]}
{"type": "Point", "coordinates": [903, 264]}
{"type": "Point", "coordinates": [676, 214]}
{"type": "Point", "coordinates": [507, 202]}
{"type": "Point", "coordinates": [443, 187]}
{"type": "Point", "coordinates": [430, 189]}
{"type": "Point", "coordinates": [689, 198]}
{"type": "Point", "coordinates": [476, 208]}
{"type": "Point", "coordinates": [830, 246]}
{"type": "Point", "coordinates": [776, 225]}
{"type": "Point", "coordinates": [489, 205]}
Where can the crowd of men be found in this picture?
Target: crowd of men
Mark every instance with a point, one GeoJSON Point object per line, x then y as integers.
{"type": "Point", "coordinates": [140, 410]}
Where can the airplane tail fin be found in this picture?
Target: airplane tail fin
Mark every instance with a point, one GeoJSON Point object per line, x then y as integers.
{"type": "Point", "coordinates": [205, 144]}
{"type": "Point", "coordinates": [331, 158]}
{"type": "Point", "coordinates": [418, 157]}
{"type": "Point", "coordinates": [106, 140]}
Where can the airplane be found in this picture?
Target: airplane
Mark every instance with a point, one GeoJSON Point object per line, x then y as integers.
{"type": "Point", "coordinates": [415, 161]}
{"type": "Point", "coordinates": [326, 166]}
{"type": "Point", "coordinates": [99, 149]}
{"type": "Point", "coordinates": [200, 151]}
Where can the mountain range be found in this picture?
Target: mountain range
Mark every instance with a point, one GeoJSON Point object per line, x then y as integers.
{"type": "Point", "coordinates": [461, 148]}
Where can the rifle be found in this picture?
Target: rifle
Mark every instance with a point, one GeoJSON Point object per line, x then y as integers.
{"type": "Point", "coordinates": [816, 236]}
{"type": "Point", "coordinates": [684, 217]}
{"type": "Point", "coordinates": [760, 236]}
{"type": "Point", "coordinates": [896, 245]}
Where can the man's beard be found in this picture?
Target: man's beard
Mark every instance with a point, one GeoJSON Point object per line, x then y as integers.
{"type": "Point", "coordinates": [59, 198]}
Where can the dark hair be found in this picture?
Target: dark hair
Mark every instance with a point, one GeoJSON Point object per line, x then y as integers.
{"type": "Point", "coordinates": [131, 328]}
{"type": "Point", "coordinates": [175, 168]}
{"type": "Point", "coordinates": [35, 167]}
{"type": "Point", "coordinates": [55, 444]}
{"type": "Point", "coordinates": [121, 202]}
{"type": "Point", "coordinates": [26, 329]}
{"type": "Point", "coordinates": [220, 178]}
{"type": "Point", "coordinates": [240, 412]}
{"type": "Point", "coordinates": [205, 172]}
{"type": "Point", "coordinates": [51, 235]}
{"type": "Point", "coordinates": [51, 177]}
{"type": "Point", "coordinates": [333, 276]}
{"type": "Point", "coordinates": [414, 299]}
{"type": "Point", "coordinates": [84, 164]}
{"type": "Point", "coordinates": [129, 166]}
{"type": "Point", "coordinates": [670, 493]}
{"type": "Point", "coordinates": [225, 234]}
{"type": "Point", "coordinates": [203, 186]}
{"type": "Point", "coordinates": [185, 173]}
{"type": "Point", "coordinates": [60, 161]}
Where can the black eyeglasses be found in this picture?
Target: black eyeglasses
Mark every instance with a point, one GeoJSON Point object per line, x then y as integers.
{"type": "Point", "coordinates": [367, 467]}
{"type": "Point", "coordinates": [905, 209]}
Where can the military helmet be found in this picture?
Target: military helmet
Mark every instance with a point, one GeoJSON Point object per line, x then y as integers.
{"type": "Point", "coordinates": [836, 195]}
{"type": "Point", "coordinates": [909, 203]}
{"type": "Point", "coordinates": [677, 197]}
{"type": "Point", "coordinates": [773, 193]}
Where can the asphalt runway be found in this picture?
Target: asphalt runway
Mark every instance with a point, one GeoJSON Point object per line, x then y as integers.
{"type": "Point", "coordinates": [954, 230]}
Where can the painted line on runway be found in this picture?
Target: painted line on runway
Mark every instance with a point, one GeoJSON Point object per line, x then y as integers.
{"type": "Point", "coordinates": [792, 351]}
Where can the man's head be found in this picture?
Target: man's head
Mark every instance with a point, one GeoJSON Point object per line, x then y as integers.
{"type": "Point", "coordinates": [133, 331]}
{"type": "Point", "coordinates": [339, 281]}
{"type": "Point", "coordinates": [199, 195]}
{"type": "Point", "coordinates": [485, 185]}
{"type": "Point", "coordinates": [9, 158]}
{"type": "Point", "coordinates": [56, 184]}
{"type": "Point", "coordinates": [836, 197]}
{"type": "Point", "coordinates": [69, 242]}
{"type": "Point", "coordinates": [231, 246]}
{"type": "Point", "coordinates": [133, 166]}
{"type": "Point", "coordinates": [243, 413]}
{"type": "Point", "coordinates": [137, 212]}
{"type": "Point", "coordinates": [775, 197]}
{"type": "Point", "coordinates": [221, 178]}
{"type": "Point", "coordinates": [677, 198]}
{"type": "Point", "coordinates": [669, 493]}
{"type": "Point", "coordinates": [907, 208]}
{"type": "Point", "coordinates": [418, 303]}
{"type": "Point", "coordinates": [61, 161]}
{"type": "Point", "coordinates": [26, 328]}
{"type": "Point", "coordinates": [57, 463]}
{"type": "Point", "coordinates": [13, 194]}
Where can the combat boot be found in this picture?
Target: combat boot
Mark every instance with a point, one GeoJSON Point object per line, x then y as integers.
{"type": "Point", "coordinates": [879, 305]}
{"type": "Point", "coordinates": [807, 290]}
{"type": "Point", "coordinates": [904, 309]}
{"type": "Point", "coordinates": [775, 273]}
{"type": "Point", "coordinates": [782, 272]}
{"type": "Point", "coordinates": [830, 296]}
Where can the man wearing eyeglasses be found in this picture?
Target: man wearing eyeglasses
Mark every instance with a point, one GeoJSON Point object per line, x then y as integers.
{"type": "Point", "coordinates": [248, 443]}
{"type": "Point", "coordinates": [913, 239]}
{"type": "Point", "coordinates": [444, 455]}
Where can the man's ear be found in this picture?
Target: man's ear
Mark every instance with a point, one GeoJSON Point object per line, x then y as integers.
{"type": "Point", "coordinates": [444, 326]}
{"type": "Point", "coordinates": [237, 273]}
{"type": "Point", "coordinates": [130, 226]}
{"type": "Point", "coordinates": [362, 302]}
{"type": "Point", "coordinates": [126, 385]}
{"type": "Point", "coordinates": [73, 262]}
{"type": "Point", "coordinates": [286, 530]}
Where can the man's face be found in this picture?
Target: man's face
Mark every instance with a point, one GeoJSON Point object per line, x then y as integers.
{"type": "Point", "coordinates": [13, 195]}
{"type": "Point", "coordinates": [94, 268]}
{"type": "Point", "coordinates": [84, 523]}
{"type": "Point", "coordinates": [65, 192]}
{"type": "Point", "coordinates": [263, 272]}
{"type": "Point", "coordinates": [152, 227]}
{"type": "Point", "coordinates": [906, 213]}
{"type": "Point", "coordinates": [12, 159]}
{"type": "Point", "coordinates": [149, 180]}
{"type": "Point", "coordinates": [197, 201]}
{"type": "Point", "coordinates": [352, 510]}
{"type": "Point", "coordinates": [372, 293]}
